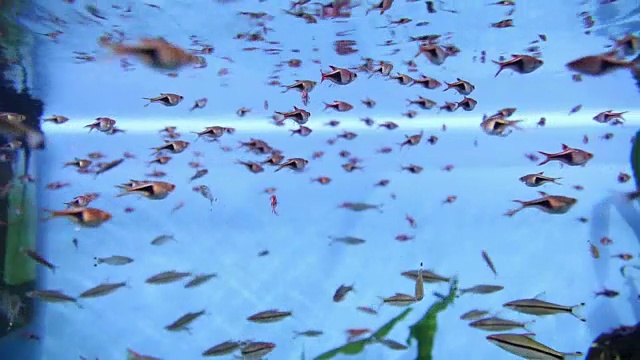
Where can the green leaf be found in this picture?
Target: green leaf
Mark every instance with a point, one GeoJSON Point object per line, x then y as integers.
{"type": "Point", "coordinates": [635, 160]}
{"type": "Point", "coordinates": [424, 330]}
{"type": "Point", "coordinates": [356, 347]}
{"type": "Point", "coordinates": [386, 328]}
{"type": "Point", "coordinates": [352, 348]}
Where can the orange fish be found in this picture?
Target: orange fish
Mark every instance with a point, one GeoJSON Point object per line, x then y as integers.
{"type": "Point", "coordinates": [155, 52]}
{"type": "Point", "coordinates": [87, 217]}
{"type": "Point", "coordinates": [597, 65]}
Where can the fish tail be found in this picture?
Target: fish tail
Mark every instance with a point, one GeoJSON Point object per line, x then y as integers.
{"type": "Point", "coordinates": [499, 70]}
{"type": "Point", "coordinates": [548, 158]}
{"type": "Point", "coordinates": [449, 86]}
{"type": "Point", "coordinates": [555, 181]}
{"type": "Point", "coordinates": [123, 194]}
{"type": "Point", "coordinates": [323, 77]}
{"type": "Point", "coordinates": [575, 311]}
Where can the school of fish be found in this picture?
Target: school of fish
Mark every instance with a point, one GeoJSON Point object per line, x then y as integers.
{"type": "Point", "coordinates": [431, 49]}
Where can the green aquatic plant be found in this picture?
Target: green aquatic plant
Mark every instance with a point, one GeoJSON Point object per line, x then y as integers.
{"type": "Point", "coordinates": [635, 159]}
{"type": "Point", "coordinates": [356, 347]}
{"type": "Point", "coordinates": [424, 330]}
{"type": "Point", "coordinates": [21, 232]}
{"type": "Point", "coordinates": [13, 33]}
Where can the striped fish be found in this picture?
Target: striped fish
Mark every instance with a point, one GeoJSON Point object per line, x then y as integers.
{"type": "Point", "coordinates": [539, 307]}
{"type": "Point", "coordinates": [525, 346]}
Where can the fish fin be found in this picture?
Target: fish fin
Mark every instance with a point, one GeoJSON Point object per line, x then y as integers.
{"type": "Point", "coordinates": [499, 70]}
{"type": "Point", "coordinates": [126, 192]}
{"type": "Point", "coordinates": [575, 311]}
{"type": "Point", "coordinates": [545, 160]}
{"type": "Point", "coordinates": [542, 193]}
{"type": "Point", "coordinates": [539, 296]}
{"type": "Point", "coordinates": [565, 147]}
{"type": "Point", "coordinates": [540, 173]}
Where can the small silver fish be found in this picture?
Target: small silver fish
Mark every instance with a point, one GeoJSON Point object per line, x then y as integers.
{"type": "Point", "coordinates": [102, 290]}
{"type": "Point", "coordinates": [167, 277]}
{"type": "Point", "coordinates": [162, 239]}
{"type": "Point", "coordinates": [200, 279]}
{"type": "Point", "coordinates": [482, 289]}
{"type": "Point", "coordinates": [349, 240]}
{"type": "Point", "coordinates": [115, 260]}
{"type": "Point", "coordinates": [474, 314]}
{"type": "Point", "coordinates": [183, 322]}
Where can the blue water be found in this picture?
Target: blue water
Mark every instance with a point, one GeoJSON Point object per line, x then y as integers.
{"type": "Point", "coordinates": [534, 252]}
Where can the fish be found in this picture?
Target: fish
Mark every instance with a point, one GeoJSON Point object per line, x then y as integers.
{"type": "Point", "coordinates": [166, 99]}
{"type": "Point", "coordinates": [399, 299]}
{"type": "Point", "coordinates": [224, 348]}
{"type": "Point", "coordinates": [358, 207]}
{"type": "Point", "coordinates": [349, 240]}
{"type": "Point", "coordinates": [463, 87]}
{"type": "Point", "coordinates": [104, 167]}
{"type": "Point", "coordinates": [132, 355]}
{"type": "Point", "coordinates": [308, 333]}
{"type": "Point", "coordinates": [339, 76]}
{"type": "Point", "coordinates": [183, 322]}
{"type": "Point", "coordinates": [38, 258]}
{"type": "Point", "coordinates": [86, 217]}
{"type": "Point", "coordinates": [116, 260]}
{"type": "Point", "coordinates": [538, 179]}
{"type": "Point", "coordinates": [391, 344]}
{"type": "Point", "coordinates": [481, 289]}
{"type": "Point", "coordinates": [156, 53]}
{"type": "Point", "coordinates": [487, 259]}
{"type": "Point", "coordinates": [199, 173]}
{"type": "Point", "coordinates": [427, 275]}
{"type": "Point", "coordinates": [167, 277]}
{"type": "Point", "coordinates": [162, 239]}
{"type": "Point", "coordinates": [342, 292]}
{"type": "Point", "coordinates": [498, 126]}
{"type": "Point", "coordinates": [199, 280]}
{"type": "Point", "coordinates": [52, 296]}
{"type": "Point", "coordinates": [550, 204]}
{"type": "Point", "coordinates": [599, 65]}
{"type": "Point", "coordinates": [535, 306]}
{"type": "Point", "coordinates": [568, 156]}
{"type": "Point", "coordinates": [525, 346]}
{"type": "Point", "coordinates": [498, 324]}
{"type": "Point", "coordinates": [269, 316]}
{"type": "Point", "coordinates": [296, 164]}
{"type": "Point", "coordinates": [102, 289]}
{"type": "Point", "coordinates": [174, 147]}
{"type": "Point", "coordinates": [299, 115]}
{"type": "Point", "coordinates": [300, 85]}
{"type": "Point", "coordinates": [154, 190]}
{"type": "Point", "coordinates": [256, 349]}
{"type": "Point", "coordinates": [474, 314]}
{"type": "Point", "coordinates": [522, 64]}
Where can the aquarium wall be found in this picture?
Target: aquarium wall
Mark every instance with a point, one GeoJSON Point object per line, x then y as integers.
{"type": "Point", "coordinates": [339, 180]}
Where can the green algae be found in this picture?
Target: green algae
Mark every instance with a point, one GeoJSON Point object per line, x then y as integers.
{"type": "Point", "coordinates": [356, 347]}
{"type": "Point", "coordinates": [424, 330]}
{"type": "Point", "coordinates": [21, 232]}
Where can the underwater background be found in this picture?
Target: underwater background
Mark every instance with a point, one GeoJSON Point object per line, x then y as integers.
{"type": "Point", "coordinates": [383, 190]}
